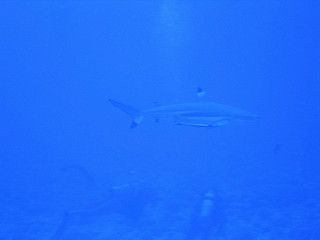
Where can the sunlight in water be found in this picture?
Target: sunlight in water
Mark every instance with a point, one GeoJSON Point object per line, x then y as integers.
{"type": "Point", "coordinates": [173, 34]}
{"type": "Point", "coordinates": [173, 22]}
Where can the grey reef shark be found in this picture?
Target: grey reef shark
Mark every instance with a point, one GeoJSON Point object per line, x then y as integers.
{"type": "Point", "coordinates": [198, 114]}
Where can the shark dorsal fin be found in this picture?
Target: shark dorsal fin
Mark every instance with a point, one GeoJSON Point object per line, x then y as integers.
{"type": "Point", "coordinates": [201, 92]}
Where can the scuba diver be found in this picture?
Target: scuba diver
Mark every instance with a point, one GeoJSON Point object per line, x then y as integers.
{"type": "Point", "coordinates": [207, 219]}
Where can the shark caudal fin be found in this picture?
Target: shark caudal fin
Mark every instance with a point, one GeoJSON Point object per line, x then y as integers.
{"type": "Point", "coordinates": [133, 112]}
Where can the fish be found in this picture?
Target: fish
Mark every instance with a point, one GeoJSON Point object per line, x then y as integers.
{"type": "Point", "coordinates": [207, 114]}
{"type": "Point", "coordinates": [277, 148]}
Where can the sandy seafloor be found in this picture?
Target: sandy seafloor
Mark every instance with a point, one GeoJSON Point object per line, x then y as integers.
{"type": "Point", "coordinates": [167, 219]}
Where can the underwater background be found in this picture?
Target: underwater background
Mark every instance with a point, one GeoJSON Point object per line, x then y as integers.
{"type": "Point", "coordinates": [71, 167]}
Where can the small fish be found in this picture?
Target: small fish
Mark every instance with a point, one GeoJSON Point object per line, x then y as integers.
{"type": "Point", "coordinates": [277, 148]}
{"type": "Point", "coordinates": [198, 114]}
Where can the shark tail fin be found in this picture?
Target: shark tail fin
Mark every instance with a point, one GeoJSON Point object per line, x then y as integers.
{"type": "Point", "coordinates": [133, 112]}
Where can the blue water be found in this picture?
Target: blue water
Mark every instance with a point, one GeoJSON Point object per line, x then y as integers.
{"type": "Point", "coordinates": [71, 168]}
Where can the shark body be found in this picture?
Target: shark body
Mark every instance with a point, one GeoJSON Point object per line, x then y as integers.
{"type": "Point", "coordinates": [198, 114]}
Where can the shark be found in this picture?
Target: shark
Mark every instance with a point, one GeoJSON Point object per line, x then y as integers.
{"type": "Point", "coordinates": [207, 114]}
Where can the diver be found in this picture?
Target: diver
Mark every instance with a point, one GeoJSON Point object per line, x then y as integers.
{"type": "Point", "coordinates": [207, 219]}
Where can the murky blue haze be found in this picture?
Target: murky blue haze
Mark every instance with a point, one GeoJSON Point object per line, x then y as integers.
{"type": "Point", "coordinates": [71, 168]}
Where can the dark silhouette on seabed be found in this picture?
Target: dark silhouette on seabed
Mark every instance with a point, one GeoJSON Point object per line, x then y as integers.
{"type": "Point", "coordinates": [128, 200]}
{"type": "Point", "coordinates": [207, 219]}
